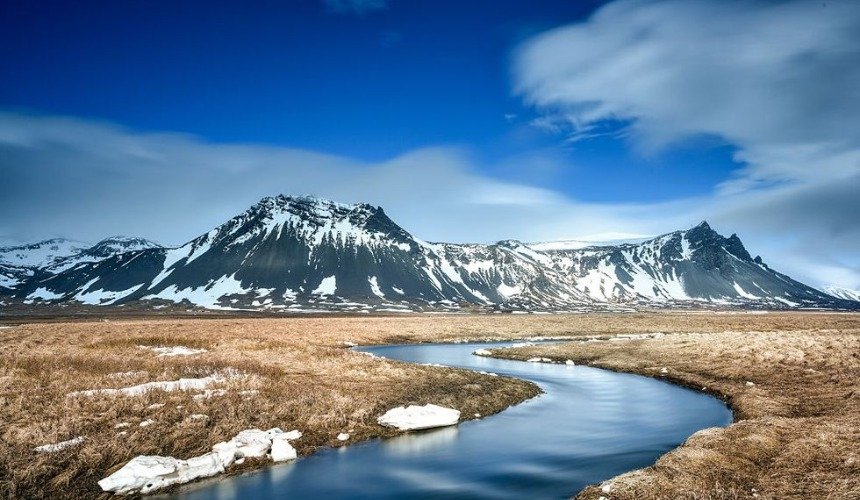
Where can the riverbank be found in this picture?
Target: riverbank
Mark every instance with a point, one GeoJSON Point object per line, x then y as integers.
{"type": "Point", "coordinates": [293, 373]}
{"type": "Point", "coordinates": [287, 374]}
{"type": "Point", "coordinates": [796, 399]}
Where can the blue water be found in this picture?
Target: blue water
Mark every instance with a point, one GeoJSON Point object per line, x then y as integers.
{"type": "Point", "coordinates": [589, 425]}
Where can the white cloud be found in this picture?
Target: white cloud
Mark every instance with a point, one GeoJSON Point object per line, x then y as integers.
{"type": "Point", "coordinates": [776, 79]}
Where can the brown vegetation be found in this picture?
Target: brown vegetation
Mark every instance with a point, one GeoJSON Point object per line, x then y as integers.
{"type": "Point", "coordinates": [306, 379]}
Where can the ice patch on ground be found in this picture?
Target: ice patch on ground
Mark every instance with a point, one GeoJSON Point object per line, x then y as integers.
{"type": "Point", "coordinates": [147, 473]}
{"type": "Point", "coordinates": [53, 448]}
{"type": "Point", "coordinates": [183, 384]}
{"type": "Point", "coordinates": [177, 350]}
{"type": "Point", "coordinates": [414, 417]}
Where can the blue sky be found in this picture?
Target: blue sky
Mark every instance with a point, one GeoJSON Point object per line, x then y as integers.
{"type": "Point", "coordinates": [368, 84]}
{"type": "Point", "coordinates": [468, 121]}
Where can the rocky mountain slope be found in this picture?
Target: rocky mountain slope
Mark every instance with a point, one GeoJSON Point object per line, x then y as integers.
{"type": "Point", "coordinates": [300, 254]}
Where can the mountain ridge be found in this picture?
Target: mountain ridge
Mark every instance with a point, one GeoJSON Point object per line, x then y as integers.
{"type": "Point", "coordinates": [305, 253]}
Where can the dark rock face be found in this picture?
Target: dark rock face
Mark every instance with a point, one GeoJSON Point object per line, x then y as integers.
{"type": "Point", "coordinates": [287, 253]}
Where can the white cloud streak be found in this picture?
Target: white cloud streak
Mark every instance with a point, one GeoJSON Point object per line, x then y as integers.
{"type": "Point", "coordinates": [778, 80]}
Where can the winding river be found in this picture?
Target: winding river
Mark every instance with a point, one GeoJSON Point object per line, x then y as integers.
{"type": "Point", "coordinates": [588, 426]}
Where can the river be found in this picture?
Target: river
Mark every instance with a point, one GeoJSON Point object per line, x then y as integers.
{"type": "Point", "coordinates": [589, 425]}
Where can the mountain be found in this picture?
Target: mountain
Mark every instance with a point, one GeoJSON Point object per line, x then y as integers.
{"type": "Point", "coordinates": [694, 265]}
{"type": "Point", "coordinates": [39, 260]}
{"type": "Point", "coordinates": [39, 254]}
{"type": "Point", "coordinates": [843, 293]}
{"type": "Point", "coordinates": [303, 253]}
{"type": "Point", "coordinates": [108, 247]}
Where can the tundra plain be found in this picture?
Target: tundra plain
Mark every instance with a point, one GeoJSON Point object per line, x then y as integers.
{"type": "Point", "coordinates": [790, 378]}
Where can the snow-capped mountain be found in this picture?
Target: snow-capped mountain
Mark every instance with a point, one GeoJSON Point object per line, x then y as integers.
{"type": "Point", "coordinates": [301, 253]}
{"type": "Point", "coordinates": [40, 254]}
{"type": "Point", "coordinates": [105, 248]}
{"type": "Point", "coordinates": [843, 293]}
{"type": "Point", "coordinates": [39, 260]}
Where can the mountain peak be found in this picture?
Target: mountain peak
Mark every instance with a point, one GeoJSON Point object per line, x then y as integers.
{"type": "Point", "coordinates": [309, 204]}
{"type": "Point", "coordinates": [120, 244]}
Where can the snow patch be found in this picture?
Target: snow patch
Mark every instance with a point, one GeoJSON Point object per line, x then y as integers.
{"type": "Point", "coordinates": [326, 287]}
{"type": "Point", "coordinates": [53, 448]}
{"type": "Point", "coordinates": [147, 473]}
{"type": "Point", "coordinates": [414, 417]}
{"type": "Point", "coordinates": [44, 294]}
{"type": "Point", "coordinates": [169, 351]}
{"type": "Point", "coordinates": [183, 384]}
{"type": "Point", "coordinates": [374, 287]}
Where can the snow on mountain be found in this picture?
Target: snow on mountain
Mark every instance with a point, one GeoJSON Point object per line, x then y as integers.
{"type": "Point", "coordinates": [303, 253]}
{"type": "Point", "coordinates": [694, 265]}
{"type": "Point", "coordinates": [40, 254]}
{"type": "Point", "coordinates": [105, 248]}
{"type": "Point", "coordinates": [120, 244]}
{"type": "Point", "coordinates": [843, 293]}
{"type": "Point", "coordinates": [601, 240]}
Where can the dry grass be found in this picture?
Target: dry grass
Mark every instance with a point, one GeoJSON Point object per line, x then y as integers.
{"type": "Point", "coordinates": [305, 376]}
{"type": "Point", "coordinates": [307, 380]}
{"type": "Point", "coordinates": [797, 430]}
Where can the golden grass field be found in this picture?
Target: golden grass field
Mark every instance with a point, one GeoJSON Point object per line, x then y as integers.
{"type": "Point", "coordinates": [796, 400]}
{"type": "Point", "coordinates": [798, 433]}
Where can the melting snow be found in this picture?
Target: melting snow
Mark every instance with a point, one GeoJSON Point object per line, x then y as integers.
{"type": "Point", "coordinates": [183, 384]}
{"type": "Point", "coordinates": [374, 287]}
{"type": "Point", "coordinates": [743, 293]}
{"type": "Point", "coordinates": [539, 360]}
{"type": "Point", "coordinates": [327, 286]}
{"type": "Point", "coordinates": [44, 294]}
{"type": "Point", "coordinates": [407, 418]}
{"type": "Point", "coordinates": [145, 474]}
{"type": "Point", "coordinates": [169, 351]}
{"type": "Point", "coordinates": [207, 295]}
{"type": "Point", "coordinates": [509, 291]}
{"type": "Point", "coordinates": [105, 297]}
{"type": "Point", "coordinates": [52, 448]}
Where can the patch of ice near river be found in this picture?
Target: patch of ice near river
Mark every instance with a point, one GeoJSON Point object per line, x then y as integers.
{"type": "Point", "coordinates": [147, 473]}
{"type": "Point", "coordinates": [414, 417]}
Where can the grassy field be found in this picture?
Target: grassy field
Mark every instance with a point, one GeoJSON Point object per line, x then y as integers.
{"type": "Point", "coordinates": [796, 399]}
{"type": "Point", "coordinates": [798, 432]}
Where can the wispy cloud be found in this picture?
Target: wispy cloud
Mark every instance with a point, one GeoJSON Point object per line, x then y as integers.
{"type": "Point", "coordinates": [776, 79]}
{"type": "Point", "coordinates": [84, 179]}
{"type": "Point", "coordinates": [354, 6]}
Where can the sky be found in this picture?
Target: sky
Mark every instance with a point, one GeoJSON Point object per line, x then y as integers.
{"type": "Point", "coordinates": [467, 121]}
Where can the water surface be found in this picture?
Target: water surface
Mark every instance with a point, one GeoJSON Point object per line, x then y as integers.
{"type": "Point", "coordinates": [590, 425]}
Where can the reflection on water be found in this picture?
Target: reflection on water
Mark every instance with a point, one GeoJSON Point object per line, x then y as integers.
{"type": "Point", "coordinates": [588, 426]}
{"type": "Point", "coordinates": [415, 443]}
